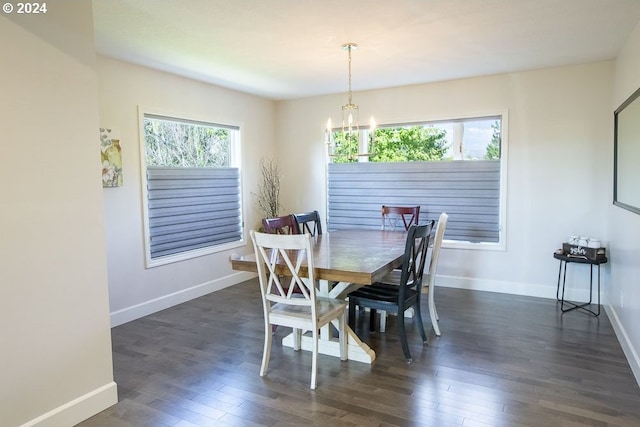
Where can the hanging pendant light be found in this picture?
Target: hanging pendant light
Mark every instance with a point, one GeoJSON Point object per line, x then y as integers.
{"type": "Point", "coordinates": [350, 111]}
{"type": "Point", "coordinates": [350, 129]}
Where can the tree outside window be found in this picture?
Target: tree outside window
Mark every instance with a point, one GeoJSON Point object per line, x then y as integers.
{"type": "Point", "coordinates": [469, 139]}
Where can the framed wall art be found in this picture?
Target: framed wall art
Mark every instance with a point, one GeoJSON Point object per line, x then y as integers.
{"type": "Point", "coordinates": [111, 159]}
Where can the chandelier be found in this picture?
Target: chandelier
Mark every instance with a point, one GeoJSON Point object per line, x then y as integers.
{"type": "Point", "coordinates": [350, 144]}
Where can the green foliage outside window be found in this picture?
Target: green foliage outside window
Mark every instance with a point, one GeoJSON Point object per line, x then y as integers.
{"type": "Point", "coordinates": [493, 149]}
{"type": "Point", "coordinates": [416, 143]}
{"type": "Point", "coordinates": [346, 147]}
{"type": "Point", "coordinates": [181, 144]}
{"type": "Point", "coordinates": [395, 144]}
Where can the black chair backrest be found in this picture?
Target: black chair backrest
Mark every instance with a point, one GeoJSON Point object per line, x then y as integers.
{"type": "Point", "coordinates": [309, 222]}
{"type": "Point", "coordinates": [415, 256]}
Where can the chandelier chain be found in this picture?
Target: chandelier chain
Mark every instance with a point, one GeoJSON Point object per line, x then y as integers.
{"type": "Point", "coordinates": [349, 47]}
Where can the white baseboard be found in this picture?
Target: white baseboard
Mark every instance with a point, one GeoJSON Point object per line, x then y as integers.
{"type": "Point", "coordinates": [505, 287]}
{"type": "Point", "coordinates": [78, 410]}
{"type": "Point", "coordinates": [152, 306]}
{"type": "Point", "coordinates": [627, 347]}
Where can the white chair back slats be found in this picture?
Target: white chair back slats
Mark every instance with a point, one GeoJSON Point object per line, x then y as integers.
{"type": "Point", "coordinates": [284, 257]}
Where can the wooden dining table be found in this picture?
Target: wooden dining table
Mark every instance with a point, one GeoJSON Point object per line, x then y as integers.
{"type": "Point", "coordinates": [344, 261]}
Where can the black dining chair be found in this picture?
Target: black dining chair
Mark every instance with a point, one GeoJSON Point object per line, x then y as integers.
{"type": "Point", "coordinates": [398, 297]}
{"type": "Point", "coordinates": [309, 222]}
{"type": "Point", "coordinates": [429, 284]}
{"type": "Point", "coordinates": [398, 218]}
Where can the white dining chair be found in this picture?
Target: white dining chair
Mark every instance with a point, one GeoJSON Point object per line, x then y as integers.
{"type": "Point", "coordinates": [430, 278]}
{"type": "Point", "coordinates": [294, 304]}
{"type": "Point", "coordinates": [433, 267]}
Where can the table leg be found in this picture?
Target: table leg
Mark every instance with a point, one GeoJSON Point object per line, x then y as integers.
{"type": "Point", "coordinates": [598, 290]}
{"type": "Point", "coordinates": [564, 281]}
{"type": "Point", "coordinates": [573, 305]}
{"type": "Point", "coordinates": [558, 287]}
{"type": "Point", "coordinates": [356, 349]}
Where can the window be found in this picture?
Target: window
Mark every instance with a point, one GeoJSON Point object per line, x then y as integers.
{"type": "Point", "coordinates": [454, 166]}
{"type": "Point", "coordinates": [192, 194]}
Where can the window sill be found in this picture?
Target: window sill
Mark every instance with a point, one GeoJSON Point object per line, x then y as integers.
{"type": "Point", "coordinates": [184, 256]}
{"type": "Point", "coordinates": [481, 246]}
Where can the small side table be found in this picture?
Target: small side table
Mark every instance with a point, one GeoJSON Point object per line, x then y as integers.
{"type": "Point", "coordinates": [564, 260]}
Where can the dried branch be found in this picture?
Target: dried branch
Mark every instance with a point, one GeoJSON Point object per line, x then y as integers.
{"type": "Point", "coordinates": [268, 196]}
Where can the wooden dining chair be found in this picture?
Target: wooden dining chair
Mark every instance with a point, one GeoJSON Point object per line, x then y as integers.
{"type": "Point", "coordinates": [406, 294]}
{"type": "Point", "coordinates": [282, 306]}
{"type": "Point", "coordinates": [433, 267]}
{"type": "Point", "coordinates": [395, 216]}
{"type": "Point", "coordinates": [309, 222]}
{"type": "Point", "coordinates": [285, 224]}
{"type": "Point", "coordinates": [430, 278]}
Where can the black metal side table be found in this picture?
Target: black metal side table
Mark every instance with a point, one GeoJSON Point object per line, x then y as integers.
{"type": "Point", "coordinates": [566, 259]}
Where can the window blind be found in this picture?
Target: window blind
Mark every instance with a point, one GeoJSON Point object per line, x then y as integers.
{"type": "Point", "coordinates": [469, 191]}
{"type": "Point", "coordinates": [192, 208]}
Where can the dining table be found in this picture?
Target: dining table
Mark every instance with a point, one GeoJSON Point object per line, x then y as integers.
{"type": "Point", "coordinates": [344, 260]}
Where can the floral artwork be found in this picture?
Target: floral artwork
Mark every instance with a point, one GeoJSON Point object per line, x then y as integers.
{"type": "Point", "coordinates": [111, 158]}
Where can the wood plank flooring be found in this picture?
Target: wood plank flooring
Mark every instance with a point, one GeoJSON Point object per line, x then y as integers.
{"type": "Point", "coordinates": [502, 360]}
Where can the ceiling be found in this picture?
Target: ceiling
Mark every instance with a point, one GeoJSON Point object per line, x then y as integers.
{"type": "Point", "coordinates": [287, 49]}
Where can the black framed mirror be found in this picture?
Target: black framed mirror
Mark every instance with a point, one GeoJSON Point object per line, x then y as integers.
{"type": "Point", "coordinates": [626, 154]}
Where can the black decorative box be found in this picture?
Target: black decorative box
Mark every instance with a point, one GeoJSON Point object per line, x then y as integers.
{"type": "Point", "coordinates": [584, 252]}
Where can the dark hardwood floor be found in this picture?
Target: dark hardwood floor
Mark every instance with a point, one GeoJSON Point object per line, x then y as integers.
{"type": "Point", "coordinates": [502, 360]}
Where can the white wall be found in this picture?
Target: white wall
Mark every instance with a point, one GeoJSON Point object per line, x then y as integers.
{"type": "Point", "coordinates": [134, 290]}
{"type": "Point", "coordinates": [559, 136]}
{"type": "Point", "coordinates": [624, 226]}
{"type": "Point", "coordinates": [55, 361]}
